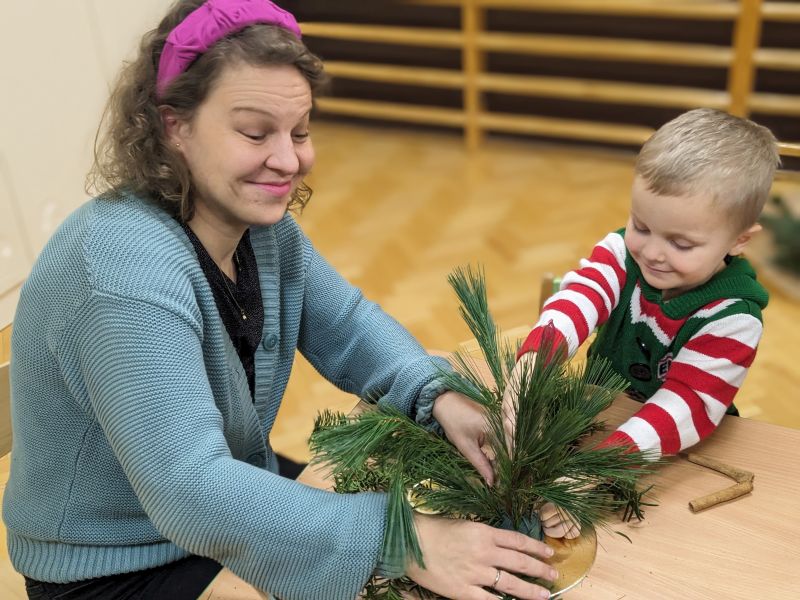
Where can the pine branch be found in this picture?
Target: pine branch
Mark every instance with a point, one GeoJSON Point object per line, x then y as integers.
{"type": "Point", "coordinates": [557, 409]}
{"type": "Point", "coordinates": [400, 538]}
{"type": "Point", "coordinates": [470, 287]}
{"type": "Point", "coordinates": [368, 433]}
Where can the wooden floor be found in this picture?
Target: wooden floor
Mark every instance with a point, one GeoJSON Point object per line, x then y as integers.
{"type": "Point", "coordinates": [395, 211]}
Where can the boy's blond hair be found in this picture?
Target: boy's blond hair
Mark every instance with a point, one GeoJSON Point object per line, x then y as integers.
{"type": "Point", "coordinates": [709, 152]}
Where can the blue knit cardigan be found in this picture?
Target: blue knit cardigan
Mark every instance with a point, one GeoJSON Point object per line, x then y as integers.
{"type": "Point", "coordinates": [136, 439]}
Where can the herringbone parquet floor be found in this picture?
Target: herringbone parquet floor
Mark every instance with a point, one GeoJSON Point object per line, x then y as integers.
{"type": "Point", "coordinates": [395, 211]}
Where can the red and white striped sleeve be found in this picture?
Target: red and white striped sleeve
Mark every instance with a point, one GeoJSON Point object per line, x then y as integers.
{"type": "Point", "coordinates": [700, 386]}
{"type": "Point", "coordinates": [587, 297]}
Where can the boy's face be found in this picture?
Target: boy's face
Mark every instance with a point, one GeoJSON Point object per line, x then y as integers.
{"type": "Point", "coordinates": [679, 242]}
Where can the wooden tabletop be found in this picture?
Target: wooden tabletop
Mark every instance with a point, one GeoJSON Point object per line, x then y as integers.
{"type": "Point", "coordinates": [746, 548]}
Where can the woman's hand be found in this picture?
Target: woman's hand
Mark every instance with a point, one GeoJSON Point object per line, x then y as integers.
{"type": "Point", "coordinates": [464, 423]}
{"type": "Point", "coordinates": [463, 560]}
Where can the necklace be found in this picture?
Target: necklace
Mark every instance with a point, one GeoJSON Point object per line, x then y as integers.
{"type": "Point", "coordinates": [205, 258]}
{"type": "Point", "coordinates": [227, 287]}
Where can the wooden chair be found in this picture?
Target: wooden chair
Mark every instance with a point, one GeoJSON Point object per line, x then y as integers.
{"type": "Point", "coordinates": [548, 286]}
{"type": "Point", "coordinates": [12, 585]}
{"type": "Point", "coordinates": [5, 391]}
{"type": "Point", "coordinates": [5, 409]}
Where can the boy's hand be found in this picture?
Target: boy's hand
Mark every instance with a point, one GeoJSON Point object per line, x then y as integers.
{"type": "Point", "coordinates": [557, 523]}
{"type": "Point", "coordinates": [511, 396]}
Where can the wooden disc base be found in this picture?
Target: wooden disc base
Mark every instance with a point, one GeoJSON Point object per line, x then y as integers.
{"type": "Point", "coordinates": [572, 559]}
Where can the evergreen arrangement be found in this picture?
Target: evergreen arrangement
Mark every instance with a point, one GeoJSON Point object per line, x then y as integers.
{"type": "Point", "coordinates": [785, 228]}
{"type": "Point", "coordinates": [549, 459]}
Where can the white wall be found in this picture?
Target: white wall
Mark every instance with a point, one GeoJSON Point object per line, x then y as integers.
{"type": "Point", "coordinates": [57, 60]}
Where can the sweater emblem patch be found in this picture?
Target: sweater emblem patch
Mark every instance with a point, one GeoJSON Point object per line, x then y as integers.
{"type": "Point", "coordinates": [663, 366]}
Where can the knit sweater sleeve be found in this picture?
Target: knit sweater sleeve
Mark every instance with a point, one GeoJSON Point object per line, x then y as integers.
{"type": "Point", "coordinates": [142, 366]}
{"type": "Point", "coordinates": [354, 344]}
{"type": "Point", "coordinates": [700, 384]}
{"type": "Point", "coordinates": [586, 298]}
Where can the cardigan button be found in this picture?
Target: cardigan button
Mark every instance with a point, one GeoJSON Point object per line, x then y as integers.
{"type": "Point", "coordinates": [270, 341]}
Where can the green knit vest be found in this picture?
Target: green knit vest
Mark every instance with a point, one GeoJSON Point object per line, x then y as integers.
{"type": "Point", "coordinates": [633, 348]}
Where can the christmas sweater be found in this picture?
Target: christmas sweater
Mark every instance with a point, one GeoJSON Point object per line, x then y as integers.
{"type": "Point", "coordinates": [687, 357]}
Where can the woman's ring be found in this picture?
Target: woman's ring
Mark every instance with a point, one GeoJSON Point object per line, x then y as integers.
{"type": "Point", "coordinates": [496, 579]}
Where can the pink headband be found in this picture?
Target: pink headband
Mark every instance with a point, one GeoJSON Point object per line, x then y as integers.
{"type": "Point", "coordinates": [208, 24]}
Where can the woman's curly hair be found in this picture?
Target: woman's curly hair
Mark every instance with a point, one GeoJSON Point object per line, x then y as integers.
{"type": "Point", "coordinates": [131, 153]}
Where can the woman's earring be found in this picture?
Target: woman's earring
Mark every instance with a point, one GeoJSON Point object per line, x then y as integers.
{"type": "Point", "coordinates": [177, 144]}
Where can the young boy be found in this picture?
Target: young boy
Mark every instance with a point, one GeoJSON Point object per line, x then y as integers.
{"type": "Point", "coordinates": [679, 309]}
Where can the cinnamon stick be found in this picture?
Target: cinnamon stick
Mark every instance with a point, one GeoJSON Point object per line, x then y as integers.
{"type": "Point", "coordinates": [729, 493]}
{"type": "Point", "coordinates": [744, 482]}
{"type": "Point", "coordinates": [734, 473]}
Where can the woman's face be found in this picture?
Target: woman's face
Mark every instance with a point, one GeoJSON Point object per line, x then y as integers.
{"type": "Point", "coordinates": [247, 146]}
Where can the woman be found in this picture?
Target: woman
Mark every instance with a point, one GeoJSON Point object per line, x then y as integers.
{"type": "Point", "coordinates": [155, 335]}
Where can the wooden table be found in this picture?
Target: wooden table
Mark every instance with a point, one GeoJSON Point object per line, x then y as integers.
{"type": "Point", "coordinates": [747, 548]}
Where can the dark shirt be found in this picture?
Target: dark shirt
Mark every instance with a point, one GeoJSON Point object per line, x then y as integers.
{"type": "Point", "coordinates": [239, 304]}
